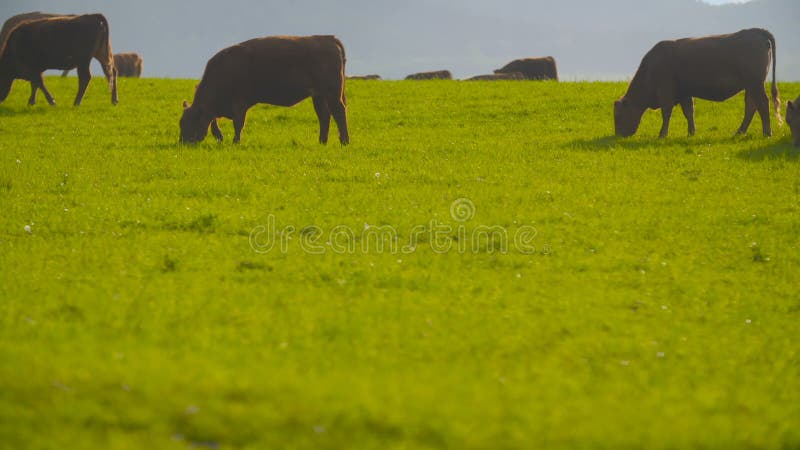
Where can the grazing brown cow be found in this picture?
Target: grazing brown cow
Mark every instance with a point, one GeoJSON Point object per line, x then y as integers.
{"type": "Point", "coordinates": [712, 68]}
{"type": "Point", "coordinates": [364, 77]}
{"type": "Point", "coordinates": [438, 75]}
{"type": "Point", "coordinates": [498, 76]}
{"type": "Point", "coordinates": [793, 119]}
{"type": "Point", "coordinates": [533, 68]}
{"type": "Point", "coordinates": [278, 70]}
{"type": "Point", "coordinates": [128, 64]}
{"type": "Point", "coordinates": [57, 43]}
{"type": "Point", "coordinates": [13, 21]}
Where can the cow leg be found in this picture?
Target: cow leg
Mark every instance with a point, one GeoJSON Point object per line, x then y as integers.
{"type": "Point", "coordinates": [84, 76]}
{"type": "Point", "coordinates": [749, 112]}
{"type": "Point", "coordinates": [32, 100]}
{"type": "Point", "coordinates": [239, 118]}
{"type": "Point", "coordinates": [324, 116]}
{"type": "Point", "coordinates": [39, 84]}
{"type": "Point", "coordinates": [687, 105]}
{"type": "Point", "coordinates": [338, 109]}
{"type": "Point", "coordinates": [666, 113]}
{"type": "Point", "coordinates": [762, 104]}
{"type": "Point", "coordinates": [111, 73]}
{"type": "Point", "coordinates": [216, 131]}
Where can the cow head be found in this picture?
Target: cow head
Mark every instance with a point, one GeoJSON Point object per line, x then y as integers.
{"type": "Point", "coordinates": [793, 119]}
{"type": "Point", "coordinates": [193, 127]}
{"type": "Point", "coordinates": [626, 117]}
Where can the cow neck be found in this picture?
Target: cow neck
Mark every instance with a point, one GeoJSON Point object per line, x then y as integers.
{"type": "Point", "coordinates": [637, 90]}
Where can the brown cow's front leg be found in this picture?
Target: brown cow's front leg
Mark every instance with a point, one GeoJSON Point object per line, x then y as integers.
{"type": "Point", "coordinates": [337, 107]}
{"type": "Point", "coordinates": [32, 100]}
{"type": "Point", "coordinates": [39, 84]}
{"type": "Point", "coordinates": [749, 112]}
{"type": "Point", "coordinates": [84, 76]}
{"type": "Point", "coordinates": [666, 113]}
{"type": "Point", "coordinates": [324, 116]}
{"type": "Point", "coordinates": [215, 130]}
{"type": "Point", "coordinates": [687, 105]}
{"type": "Point", "coordinates": [239, 118]}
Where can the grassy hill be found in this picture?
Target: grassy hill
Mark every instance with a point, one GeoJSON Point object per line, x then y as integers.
{"type": "Point", "coordinates": [650, 299]}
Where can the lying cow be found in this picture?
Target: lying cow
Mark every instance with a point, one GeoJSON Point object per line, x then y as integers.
{"type": "Point", "coordinates": [498, 77]}
{"type": "Point", "coordinates": [277, 70]}
{"type": "Point", "coordinates": [128, 64]}
{"type": "Point", "coordinates": [364, 77]}
{"type": "Point", "coordinates": [437, 75]}
{"type": "Point", "coordinates": [712, 68]}
{"type": "Point", "coordinates": [793, 119]}
{"type": "Point", "coordinates": [57, 43]}
{"type": "Point", "coordinates": [533, 68]}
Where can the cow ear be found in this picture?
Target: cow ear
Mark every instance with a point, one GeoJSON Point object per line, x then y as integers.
{"type": "Point", "coordinates": [790, 106]}
{"type": "Point", "coordinates": [185, 104]}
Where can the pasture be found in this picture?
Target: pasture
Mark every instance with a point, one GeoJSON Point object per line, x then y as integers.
{"type": "Point", "coordinates": [657, 303]}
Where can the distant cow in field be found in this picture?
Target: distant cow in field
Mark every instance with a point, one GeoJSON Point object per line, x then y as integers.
{"type": "Point", "coordinates": [278, 70]}
{"type": "Point", "coordinates": [57, 43]}
{"type": "Point", "coordinates": [437, 75]}
{"type": "Point", "coordinates": [712, 68]}
{"type": "Point", "coordinates": [498, 76]}
{"type": "Point", "coordinates": [793, 119]}
{"type": "Point", "coordinates": [533, 68]}
{"type": "Point", "coordinates": [128, 64]}
{"type": "Point", "coordinates": [364, 77]}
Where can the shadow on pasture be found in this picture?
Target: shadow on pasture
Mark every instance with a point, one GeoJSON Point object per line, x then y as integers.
{"type": "Point", "coordinates": [25, 111]}
{"type": "Point", "coordinates": [606, 143]}
{"type": "Point", "coordinates": [784, 150]}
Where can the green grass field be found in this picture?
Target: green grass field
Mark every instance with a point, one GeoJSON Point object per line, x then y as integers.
{"type": "Point", "coordinates": [657, 304]}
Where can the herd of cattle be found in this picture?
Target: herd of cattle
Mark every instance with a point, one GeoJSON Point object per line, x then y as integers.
{"type": "Point", "coordinates": [284, 70]}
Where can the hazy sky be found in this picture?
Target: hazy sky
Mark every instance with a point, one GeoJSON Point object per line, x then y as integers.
{"type": "Point", "coordinates": [590, 39]}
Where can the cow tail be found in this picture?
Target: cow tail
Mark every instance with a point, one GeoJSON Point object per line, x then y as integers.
{"type": "Point", "coordinates": [344, 73]}
{"type": "Point", "coordinates": [776, 99]}
{"type": "Point", "coordinates": [104, 50]}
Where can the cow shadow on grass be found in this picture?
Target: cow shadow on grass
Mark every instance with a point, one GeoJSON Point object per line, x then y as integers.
{"type": "Point", "coordinates": [7, 111]}
{"type": "Point", "coordinates": [608, 143]}
{"type": "Point", "coordinates": [783, 150]}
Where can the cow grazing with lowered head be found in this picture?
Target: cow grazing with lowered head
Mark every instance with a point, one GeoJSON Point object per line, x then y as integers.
{"type": "Point", "coordinates": [793, 119]}
{"type": "Point", "coordinates": [57, 43]}
{"type": "Point", "coordinates": [712, 68]}
{"type": "Point", "coordinates": [533, 68]}
{"type": "Point", "coordinates": [13, 21]}
{"type": "Point", "coordinates": [128, 64]}
{"type": "Point", "coordinates": [437, 75]}
{"type": "Point", "coordinates": [278, 70]}
{"type": "Point", "coordinates": [498, 77]}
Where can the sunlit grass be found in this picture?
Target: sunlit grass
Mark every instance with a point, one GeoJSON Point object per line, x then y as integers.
{"type": "Point", "coordinates": [660, 308]}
